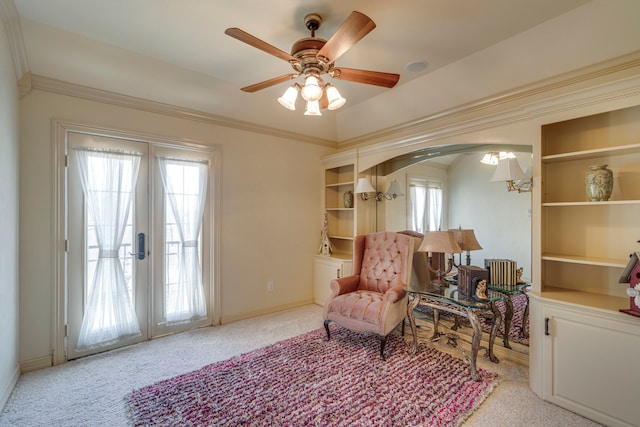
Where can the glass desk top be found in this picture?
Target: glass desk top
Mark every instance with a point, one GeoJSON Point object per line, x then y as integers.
{"type": "Point", "coordinates": [510, 289]}
{"type": "Point", "coordinates": [452, 295]}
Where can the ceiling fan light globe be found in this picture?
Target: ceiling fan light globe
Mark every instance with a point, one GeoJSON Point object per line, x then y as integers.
{"type": "Point", "coordinates": [288, 99]}
{"type": "Point", "coordinates": [335, 99]}
{"type": "Point", "coordinates": [313, 109]}
{"type": "Point", "coordinates": [311, 91]}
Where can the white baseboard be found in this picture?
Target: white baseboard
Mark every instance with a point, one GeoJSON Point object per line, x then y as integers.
{"type": "Point", "coordinates": [36, 364]}
{"type": "Point", "coordinates": [8, 388]}
{"type": "Point", "coordinates": [250, 314]}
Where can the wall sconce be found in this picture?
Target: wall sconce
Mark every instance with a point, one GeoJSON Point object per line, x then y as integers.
{"type": "Point", "coordinates": [364, 188]}
{"type": "Point", "coordinates": [466, 239]}
{"type": "Point", "coordinates": [393, 191]}
{"type": "Point", "coordinates": [439, 242]}
{"type": "Point", "coordinates": [509, 171]}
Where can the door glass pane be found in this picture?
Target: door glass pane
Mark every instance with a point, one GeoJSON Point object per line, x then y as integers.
{"type": "Point", "coordinates": [172, 245]}
{"type": "Point", "coordinates": [184, 196]}
{"type": "Point", "coordinates": [126, 248]}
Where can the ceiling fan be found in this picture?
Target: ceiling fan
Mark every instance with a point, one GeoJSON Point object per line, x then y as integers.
{"type": "Point", "coordinates": [313, 57]}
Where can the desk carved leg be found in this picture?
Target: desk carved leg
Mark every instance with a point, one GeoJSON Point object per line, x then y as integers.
{"type": "Point", "coordinates": [475, 344]}
{"type": "Point", "coordinates": [495, 327]}
{"type": "Point", "coordinates": [525, 317]}
{"type": "Point", "coordinates": [436, 321]}
{"type": "Point", "coordinates": [412, 322]}
{"type": "Point", "coordinates": [508, 317]}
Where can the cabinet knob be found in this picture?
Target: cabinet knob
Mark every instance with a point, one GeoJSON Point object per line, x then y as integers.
{"type": "Point", "coordinates": [546, 326]}
{"type": "Point", "coordinates": [338, 273]}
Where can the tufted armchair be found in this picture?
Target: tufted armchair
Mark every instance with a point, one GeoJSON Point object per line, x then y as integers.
{"type": "Point", "coordinates": [373, 299]}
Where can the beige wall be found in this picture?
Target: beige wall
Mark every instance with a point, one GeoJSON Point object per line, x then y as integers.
{"type": "Point", "coordinates": [9, 143]}
{"type": "Point", "coordinates": [501, 220]}
{"type": "Point", "coordinates": [270, 204]}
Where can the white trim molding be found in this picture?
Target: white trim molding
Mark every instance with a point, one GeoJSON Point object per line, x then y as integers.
{"type": "Point", "coordinates": [8, 388]}
{"type": "Point", "coordinates": [513, 106]}
{"type": "Point", "coordinates": [11, 21]}
{"type": "Point", "coordinates": [60, 130]}
{"type": "Point", "coordinates": [587, 93]}
{"type": "Point", "coordinates": [92, 94]}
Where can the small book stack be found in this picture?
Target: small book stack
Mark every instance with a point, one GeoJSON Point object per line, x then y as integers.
{"type": "Point", "coordinates": [502, 272]}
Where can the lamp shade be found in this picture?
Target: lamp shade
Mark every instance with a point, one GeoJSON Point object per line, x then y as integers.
{"type": "Point", "coordinates": [288, 100]}
{"type": "Point", "coordinates": [394, 190]}
{"type": "Point", "coordinates": [466, 239]}
{"type": "Point", "coordinates": [508, 170]}
{"type": "Point", "coordinates": [313, 109]}
{"type": "Point", "coordinates": [439, 241]}
{"type": "Point", "coordinates": [311, 91]}
{"type": "Point", "coordinates": [335, 99]}
{"type": "Point", "coordinates": [364, 186]}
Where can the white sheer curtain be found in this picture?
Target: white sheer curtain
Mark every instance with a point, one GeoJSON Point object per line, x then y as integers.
{"type": "Point", "coordinates": [425, 205]}
{"type": "Point", "coordinates": [417, 207]}
{"type": "Point", "coordinates": [434, 206]}
{"type": "Point", "coordinates": [185, 185]}
{"type": "Point", "coordinates": [108, 181]}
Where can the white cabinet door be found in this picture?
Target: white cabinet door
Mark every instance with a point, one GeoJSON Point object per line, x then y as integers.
{"type": "Point", "coordinates": [591, 364]}
{"type": "Point", "coordinates": [325, 270]}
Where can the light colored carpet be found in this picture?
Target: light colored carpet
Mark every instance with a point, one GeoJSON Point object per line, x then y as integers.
{"type": "Point", "coordinates": [90, 391]}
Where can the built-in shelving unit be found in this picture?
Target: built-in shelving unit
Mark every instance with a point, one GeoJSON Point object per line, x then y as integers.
{"type": "Point", "coordinates": [340, 172]}
{"type": "Point", "coordinates": [339, 180]}
{"type": "Point", "coordinates": [586, 245]}
{"type": "Point", "coordinates": [580, 341]}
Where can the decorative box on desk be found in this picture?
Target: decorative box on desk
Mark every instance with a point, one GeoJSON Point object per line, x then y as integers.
{"type": "Point", "coordinates": [468, 278]}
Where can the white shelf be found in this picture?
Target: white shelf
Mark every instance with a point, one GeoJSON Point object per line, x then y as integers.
{"type": "Point", "coordinates": [340, 184]}
{"type": "Point", "coordinates": [341, 237]}
{"type": "Point", "coordinates": [602, 262]}
{"type": "Point", "coordinates": [608, 202]}
{"type": "Point", "coordinates": [605, 303]}
{"type": "Point", "coordinates": [592, 154]}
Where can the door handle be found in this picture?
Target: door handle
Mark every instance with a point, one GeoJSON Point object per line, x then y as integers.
{"type": "Point", "coordinates": [141, 250]}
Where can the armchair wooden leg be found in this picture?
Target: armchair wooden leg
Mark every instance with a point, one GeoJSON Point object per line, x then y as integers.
{"type": "Point", "coordinates": [383, 343]}
{"type": "Point", "coordinates": [326, 327]}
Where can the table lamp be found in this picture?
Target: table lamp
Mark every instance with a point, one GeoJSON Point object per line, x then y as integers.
{"type": "Point", "coordinates": [439, 243]}
{"type": "Point", "coordinates": [466, 239]}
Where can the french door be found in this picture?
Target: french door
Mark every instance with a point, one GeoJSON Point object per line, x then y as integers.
{"type": "Point", "coordinates": [138, 224]}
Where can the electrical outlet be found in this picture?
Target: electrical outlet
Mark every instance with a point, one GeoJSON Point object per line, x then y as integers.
{"type": "Point", "coordinates": [270, 286]}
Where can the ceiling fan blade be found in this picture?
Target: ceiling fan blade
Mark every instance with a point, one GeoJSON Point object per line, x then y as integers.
{"type": "Point", "coordinates": [376, 78]}
{"type": "Point", "coordinates": [247, 38]}
{"type": "Point", "coordinates": [355, 27]}
{"type": "Point", "coordinates": [268, 83]}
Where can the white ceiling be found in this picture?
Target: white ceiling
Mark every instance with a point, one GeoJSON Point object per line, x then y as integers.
{"type": "Point", "coordinates": [189, 34]}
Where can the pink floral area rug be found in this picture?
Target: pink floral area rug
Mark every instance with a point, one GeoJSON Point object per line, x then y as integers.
{"type": "Point", "coordinates": [307, 381]}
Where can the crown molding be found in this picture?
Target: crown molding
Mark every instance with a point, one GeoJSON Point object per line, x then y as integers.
{"type": "Point", "coordinates": [92, 94]}
{"type": "Point", "coordinates": [592, 95]}
{"type": "Point", "coordinates": [537, 99]}
{"type": "Point", "coordinates": [11, 20]}
{"type": "Point", "coordinates": [500, 109]}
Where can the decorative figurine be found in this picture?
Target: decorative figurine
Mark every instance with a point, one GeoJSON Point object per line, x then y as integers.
{"type": "Point", "coordinates": [481, 291]}
{"type": "Point", "coordinates": [519, 273]}
{"type": "Point", "coordinates": [325, 243]}
{"type": "Point", "coordinates": [631, 275]}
